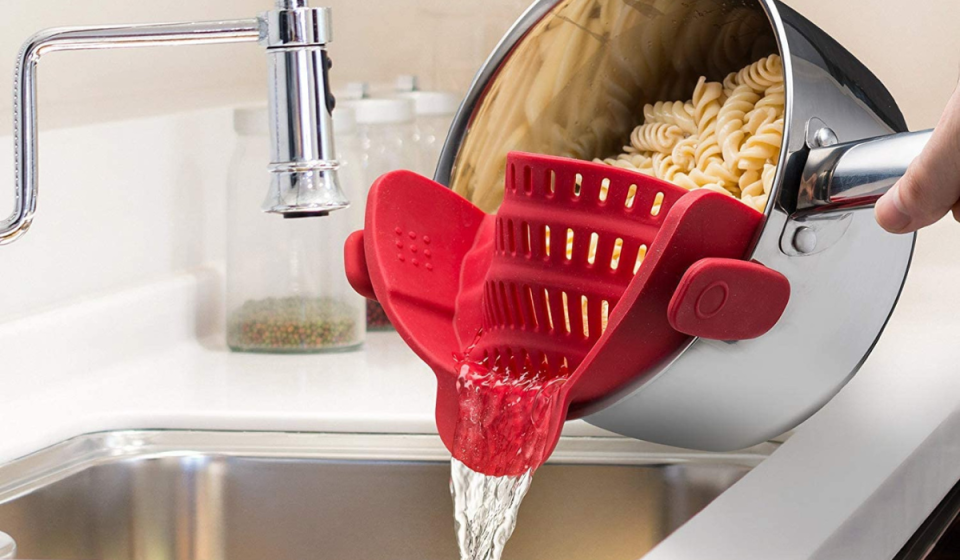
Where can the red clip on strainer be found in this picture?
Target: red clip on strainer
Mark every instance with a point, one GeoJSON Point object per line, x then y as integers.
{"type": "Point", "coordinates": [596, 271]}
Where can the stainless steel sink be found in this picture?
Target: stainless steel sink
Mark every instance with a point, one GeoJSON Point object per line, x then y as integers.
{"type": "Point", "coordinates": [254, 495]}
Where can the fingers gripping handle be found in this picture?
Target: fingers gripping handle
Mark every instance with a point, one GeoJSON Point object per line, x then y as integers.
{"type": "Point", "coordinates": [856, 174]}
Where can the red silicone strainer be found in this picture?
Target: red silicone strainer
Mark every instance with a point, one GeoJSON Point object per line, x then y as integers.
{"type": "Point", "coordinates": [591, 272]}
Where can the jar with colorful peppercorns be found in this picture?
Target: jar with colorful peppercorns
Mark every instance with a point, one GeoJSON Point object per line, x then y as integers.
{"type": "Point", "coordinates": [287, 290]}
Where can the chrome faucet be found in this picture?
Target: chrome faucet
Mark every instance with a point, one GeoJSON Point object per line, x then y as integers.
{"type": "Point", "coordinates": [303, 163]}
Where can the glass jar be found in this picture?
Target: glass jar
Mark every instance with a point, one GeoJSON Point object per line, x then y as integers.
{"type": "Point", "coordinates": [287, 290]}
{"type": "Point", "coordinates": [385, 128]}
{"type": "Point", "coordinates": [434, 114]}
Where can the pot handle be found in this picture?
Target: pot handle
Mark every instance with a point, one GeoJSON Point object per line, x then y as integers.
{"type": "Point", "coordinates": [856, 174]}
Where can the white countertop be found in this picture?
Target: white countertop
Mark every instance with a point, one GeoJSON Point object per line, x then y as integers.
{"type": "Point", "coordinates": [62, 379]}
{"type": "Point", "coordinates": [859, 477]}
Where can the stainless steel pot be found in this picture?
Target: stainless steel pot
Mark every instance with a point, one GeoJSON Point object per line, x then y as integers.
{"type": "Point", "coordinates": [846, 273]}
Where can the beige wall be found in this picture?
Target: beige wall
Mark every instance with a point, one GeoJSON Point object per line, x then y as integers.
{"type": "Point", "coordinates": [79, 88]}
{"type": "Point", "coordinates": [374, 41]}
{"type": "Point", "coordinates": [912, 46]}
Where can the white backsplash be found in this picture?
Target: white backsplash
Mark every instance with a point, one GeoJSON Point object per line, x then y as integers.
{"type": "Point", "coordinates": [120, 204]}
{"type": "Point", "coordinates": [442, 41]}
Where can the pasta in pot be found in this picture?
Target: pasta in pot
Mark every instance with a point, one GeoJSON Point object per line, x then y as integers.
{"type": "Point", "coordinates": [576, 84]}
{"type": "Point", "coordinates": [672, 112]}
{"type": "Point", "coordinates": [727, 138]}
{"type": "Point", "coordinates": [655, 137]}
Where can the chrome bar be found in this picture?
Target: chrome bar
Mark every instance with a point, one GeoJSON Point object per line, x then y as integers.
{"type": "Point", "coordinates": [856, 174]}
{"type": "Point", "coordinates": [88, 38]}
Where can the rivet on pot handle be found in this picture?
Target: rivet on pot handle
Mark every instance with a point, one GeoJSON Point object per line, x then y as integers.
{"type": "Point", "coordinates": [856, 174]}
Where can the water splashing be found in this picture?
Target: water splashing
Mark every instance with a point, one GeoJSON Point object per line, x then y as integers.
{"type": "Point", "coordinates": [501, 437]}
{"type": "Point", "coordinates": [505, 416]}
{"type": "Point", "coordinates": [485, 509]}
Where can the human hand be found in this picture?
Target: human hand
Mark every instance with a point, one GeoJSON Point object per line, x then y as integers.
{"type": "Point", "coordinates": [931, 186]}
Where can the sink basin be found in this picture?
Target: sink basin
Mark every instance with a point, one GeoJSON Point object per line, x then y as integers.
{"type": "Point", "coordinates": [279, 496]}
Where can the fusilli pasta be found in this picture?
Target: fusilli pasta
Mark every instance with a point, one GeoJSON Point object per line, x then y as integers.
{"type": "Point", "coordinates": [726, 139]}
{"type": "Point", "coordinates": [677, 113]}
{"type": "Point", "coordinates": [655, 137]}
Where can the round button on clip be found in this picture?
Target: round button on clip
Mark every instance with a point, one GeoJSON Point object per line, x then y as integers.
{"type": "Point", "coordinates": [712, 300]}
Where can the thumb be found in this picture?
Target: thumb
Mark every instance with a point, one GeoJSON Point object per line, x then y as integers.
{"type": "Point", "coordinates": [931, 186]}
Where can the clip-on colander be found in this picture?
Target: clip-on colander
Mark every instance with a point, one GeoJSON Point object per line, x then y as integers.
{"type": "Point", "coordinates": [601, 270]}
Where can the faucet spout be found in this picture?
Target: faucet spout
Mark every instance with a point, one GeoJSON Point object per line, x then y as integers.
{"type": "Point", "coordinates": [303, 164]}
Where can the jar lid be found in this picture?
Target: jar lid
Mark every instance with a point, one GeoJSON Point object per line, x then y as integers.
{"type": "Point", "coordinates": [344, 120]}
{"type": "Point", "coordinates": [383, 111]}
{"type": "Point", "coordinates": [433, 103]}
{"type": "Point", "coordinates": [352, 91]}
{"type": "Point", "coordinates": [405, 83]}
{"type": "Point", "coordinates": [252, 120]}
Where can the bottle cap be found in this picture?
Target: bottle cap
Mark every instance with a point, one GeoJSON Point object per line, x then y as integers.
{"type": "Point", "coordinates": [382, 111]}
{"type": "Point", "coordinates": [352, 91]}
{"type": "Point", "coordinates": [433, 103]}
{"type": "Point", "coordinates": [344, 120]}
{"type": "Point", "coordinates": [406, 83]}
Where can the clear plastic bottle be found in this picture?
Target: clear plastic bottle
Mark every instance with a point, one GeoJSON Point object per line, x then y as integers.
{"type": "Point", "coordinates": [434, 114]}
{"type": "Point", "coordinates": [385, 128]}
{"type": "Point", "coordinates": [287, 290]}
